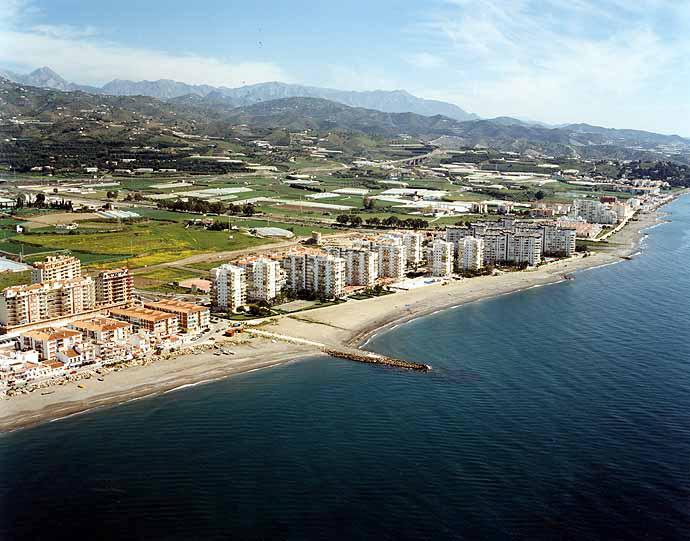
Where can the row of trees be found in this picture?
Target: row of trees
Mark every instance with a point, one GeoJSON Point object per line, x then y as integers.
{"type": "Point", "coordinates": [392, 221]}
{"type": "Point", "coordinates": [200, 206]}
{"type": "Point", "coordinates": [39, 202]}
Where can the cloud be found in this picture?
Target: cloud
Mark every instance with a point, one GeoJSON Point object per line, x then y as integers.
{"type": "Point", "coordinates": [582, 60]}
{"type": "Point", "coordinates": [64, 31]}
{"type": "Point", "coordinates": [425, 60]}
{"type": "Point", "coordinates": [80, 55]}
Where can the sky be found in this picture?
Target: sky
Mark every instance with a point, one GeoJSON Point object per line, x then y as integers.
{"type": "Point", "coordinates": [614, 63]}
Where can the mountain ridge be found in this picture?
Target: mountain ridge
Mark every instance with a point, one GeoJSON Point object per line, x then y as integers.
{"type": "Point", "coordinates": [217, 115]}
{"type": "Point", "coordinates": [390, 101]}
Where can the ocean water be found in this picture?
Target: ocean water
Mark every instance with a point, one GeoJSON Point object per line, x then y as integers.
{"type": "Point", "coordinates": [561, 412]}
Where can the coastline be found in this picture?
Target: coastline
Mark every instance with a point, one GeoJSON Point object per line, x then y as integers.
{"type": "Point", "coordinates": [350, 324]}
{"type": "Point", "coordinates": [138, 382]}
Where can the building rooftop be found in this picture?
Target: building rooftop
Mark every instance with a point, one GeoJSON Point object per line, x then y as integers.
{"type": "Point", "coordinates": [51, 334]}
{"type": "Point", "coordinates": [55, 364]}
{"type": "Point", "coordinates": [176, 306]}
{"type": "Point", "coordinates": [96, 324]}
{"type": "Point", "coordinates": [141, 313]}
{"type": "Point", "coordinates": [55, 260]}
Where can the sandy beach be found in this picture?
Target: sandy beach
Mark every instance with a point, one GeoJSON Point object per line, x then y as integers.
{"type": "Point", "coordinates": [348, 324]}
{"type": "Point", "coordinates": [144, 381]}
{"type": "Point", "coordinates": [354, 322]}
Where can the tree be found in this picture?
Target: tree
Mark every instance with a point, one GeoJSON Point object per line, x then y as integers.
{"type": "Point", "coordinates": [391, 221]}
{"type": "Point", "coordinates": [539, 195]}
{"type": "Point", "coordinates": [342, 219]}
{"type": "Point", "coordinates": [248, 209]}
{"type": "Point", "coordinates": [40, 200]}
{"type": "Point", "coordinates": [374, 221]}
{"type": "Point", "coordinates": [111, 194]}
{"type": "Point", "coordinates": [356, 221]}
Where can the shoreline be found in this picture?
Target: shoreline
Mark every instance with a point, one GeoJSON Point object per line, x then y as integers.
{"type": "Point", "coordinates": [139, 382]}
{"type": "Point", "coordinates": [349, 324]}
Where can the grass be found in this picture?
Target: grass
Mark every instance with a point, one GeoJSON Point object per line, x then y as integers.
{"type": "Point", "coordinates": [164, 279]}
{"type": "Point", "coordinates": [142, 244]}
{"type": "Point", "coordinates": [9, 279]}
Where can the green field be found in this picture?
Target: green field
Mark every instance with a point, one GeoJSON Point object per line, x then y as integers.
{"type": "Point", "coordinates": [143, 243]}
{"type": "Point", "coordinates": [9, 279]}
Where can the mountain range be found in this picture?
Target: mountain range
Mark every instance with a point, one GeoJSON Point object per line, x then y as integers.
{"type": "Point", "coordinates": [217, 114]}
{"type": "Point", "coordinates": [393, 101]}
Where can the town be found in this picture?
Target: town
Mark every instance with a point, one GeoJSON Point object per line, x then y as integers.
{"type": "Point", "coordinates": [66, 325]}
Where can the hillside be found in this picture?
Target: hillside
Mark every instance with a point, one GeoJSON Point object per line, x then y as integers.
{"type": "Point", "coordinates": [324, 115]}
{"type": "Point", "coordinates": [396, 101]}
{"type": "Point", "coordinates": [37, 113]}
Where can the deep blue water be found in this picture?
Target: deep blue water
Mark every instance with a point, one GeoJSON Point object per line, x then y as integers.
{"type": "Point", "coordinates": [561, 412]}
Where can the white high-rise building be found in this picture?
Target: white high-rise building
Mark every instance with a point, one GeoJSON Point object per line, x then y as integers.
{"type": "Point", "coordinates": [623, 211]}
{"type": "Point", "coordinates": [228, 288]}
{"type": "Point", "coordinates": [361, 265]}
{"type": "Point", "coordinates": [524, 248]}
{"type": "Point", "coordinates": [594, 212]}
{"type": "Point", "coordinates": [325, 276]}
{"type": "Point", "coordinates": [61, 267]}
{"type": "Point", "coordinates": [558, 241]}
{"type": "Point", "coordinates": [441, 258]}
{"type": "Point", "coordinates": [294, 267]}
{"type": "Point", "coordinates": [495, 247]}
{"type": "Point", "coordinates": [392, 259]}
{"type": "Point", "coordinates": [413, 247]}
{"type": "Point", "coordinates": [315, 272]}
{"type": "Point", "coordinates": [472, 254]}
{"type": "Point", "coordinates": [264, 278]}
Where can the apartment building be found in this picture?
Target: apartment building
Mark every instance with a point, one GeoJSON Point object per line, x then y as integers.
{"type": "Point", "coordinates": [228, 288]}
{"type": "Point", "coordinates": [495, 247]}
{"type": "Point", "coordinates": [456, 235]}
{"type": "Point", "coordinates": [472, 254]}
{"type": "Point", "coordinates": [325, 276]}
{"type": "Point", "coordinates": [154, 322]}
{"type": "Point", "coordinates": [294, 267]}
{"type": "Point", "coordinates": [192, 318]}
{"type": "Point", "coordinates": [594, 212]}
{"type": "Point", "coordinates": [392, 259]}
{"type": "Point", "coordinates": [62, 267]}
{"type": "Point", "coordinates": [361, 265]}
{"type": "Point", "coordinates": [413, 248]}
{"type": "Point", "coordinates": [412, 241]}
{"type": "Point", "coordinates": [442, 255]}
{"type": "Point", "coordinates": [49, 342]}
{"type": "Point", "coordinates": [114, 286]}
{"type": "Point", "coordinates": [265, 278]}
{"type": "Point", "coordinates": [558, 241]}
{"type": "Point", "coordinates": [103, 329]}
{"type": "Point", "coordinates": [524, 248]}
{"type": "Point", "coordinates": [22, 305]}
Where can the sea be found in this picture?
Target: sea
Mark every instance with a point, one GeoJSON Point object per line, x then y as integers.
{"type": "Point", "coordinates": [559, 412]}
